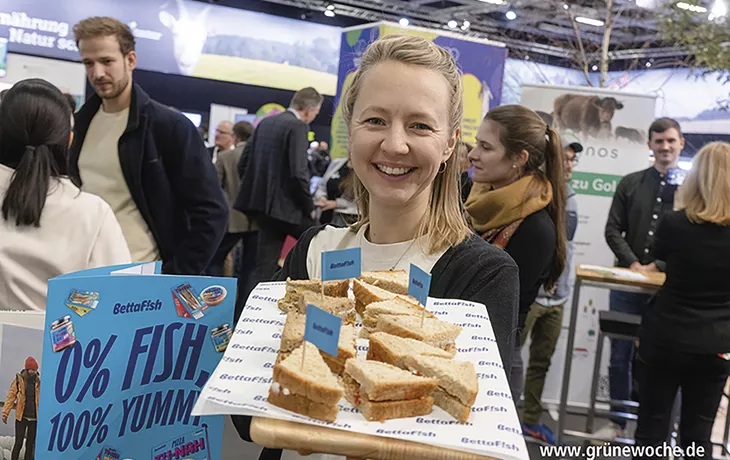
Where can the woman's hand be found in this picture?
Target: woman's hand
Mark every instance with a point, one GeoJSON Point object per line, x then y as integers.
{"type": "Point", "coordinates": [650, 268]}
{"type": "Point", "coordinates": [326, 205]}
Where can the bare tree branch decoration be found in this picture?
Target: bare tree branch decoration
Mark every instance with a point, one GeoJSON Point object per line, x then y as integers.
{"type": "Point", "coordinates": [583, 59]}
{"type": "Point", "coordinates": [608, 26]}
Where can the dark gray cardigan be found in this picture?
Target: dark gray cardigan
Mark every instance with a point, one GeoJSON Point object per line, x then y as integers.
{"type": "Point", "coordinates": [473, 270]}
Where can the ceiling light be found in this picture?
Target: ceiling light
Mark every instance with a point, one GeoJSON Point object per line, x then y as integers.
{"type": "Point", "coordinates": [589, 21]}
{"type": "Point", "coordinates": [691, 7]}
{"type": "Point", "coordinates": [493, 2]}
{"type": "Point", "coordinates": [452, 24]}
{"type": "Point", "coordinates": [331, 7]}
{"type": "Point", "coordinates": [594, 68]}
{"type": "Point", "coordinates": [465, 25]}
{"type": "Point", "coordinates": [329, 13]}
{"type": "Point", "coordinates": [510, 15]}
{"type": "Point", "coordinates": [404, 22]}
{"type": "Point", "coordinates": [719, 9]}
{"type": "Point", "coordinates": [565, 6]}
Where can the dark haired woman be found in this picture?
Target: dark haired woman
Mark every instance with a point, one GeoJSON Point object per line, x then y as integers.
{"type": "Point", "coordinates": [518, 203]}
{"type": "Point", "coordinates": [334, 196]}
{"type": "Point", "coordinates": [465, 183]}
{"type": "Point", "coordinates": [47, 226]}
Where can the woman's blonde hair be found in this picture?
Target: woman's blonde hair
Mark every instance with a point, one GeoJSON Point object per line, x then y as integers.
{"type": "Point", "coordinates": [444, 224]}
{"type": "Point", "coordinates": [705, 194]}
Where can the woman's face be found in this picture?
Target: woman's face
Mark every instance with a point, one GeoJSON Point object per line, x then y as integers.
{"type": "Point", "coordinates": [400, 132]}
{"type": "Point", "coordinates": [491, 164]}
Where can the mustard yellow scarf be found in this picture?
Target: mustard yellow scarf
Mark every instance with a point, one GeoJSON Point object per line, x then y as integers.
{"type": "Point", "coordinates": [494, 209]}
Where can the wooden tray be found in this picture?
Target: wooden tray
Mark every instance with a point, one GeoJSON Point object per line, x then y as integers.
{"type": "Point", "coordinates": [653, 282]}
{"type": "Point", "coordinates": [281, 434]}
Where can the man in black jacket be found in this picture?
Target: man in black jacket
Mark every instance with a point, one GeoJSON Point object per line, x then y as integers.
{"type": "Point", "coordinates": [275, 179]}
{"type": "Point", "coordinates": [146, 160]}
{"type": "Point", "coordinates": [640, 201]}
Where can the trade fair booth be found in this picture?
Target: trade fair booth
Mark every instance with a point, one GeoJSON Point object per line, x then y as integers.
{"type": "Point", "coordinates": [117, 386]}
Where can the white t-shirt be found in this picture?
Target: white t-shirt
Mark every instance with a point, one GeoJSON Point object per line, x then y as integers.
{"type": "Point", "coordinates": [397, 256]}
{"type": "Point", "coordinates": [101, 174]}
{"type": "Point", "coordinates": [78, 231]}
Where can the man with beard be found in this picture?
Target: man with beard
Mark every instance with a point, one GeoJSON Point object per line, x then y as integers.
{"type": "Point", "coordinates": [640, 201]}
{"type": "Point", "coordinates": [144, 159]}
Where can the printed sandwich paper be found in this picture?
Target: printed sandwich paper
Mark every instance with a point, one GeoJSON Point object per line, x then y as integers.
{"type": "Point", "coordinates": [240, 383]}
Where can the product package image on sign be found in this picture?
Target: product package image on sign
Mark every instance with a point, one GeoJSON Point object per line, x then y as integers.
{"type": "Point", "coordinates": [125, 357]}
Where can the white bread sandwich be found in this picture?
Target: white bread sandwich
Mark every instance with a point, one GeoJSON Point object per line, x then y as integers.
{"type": "Point", "coordinates": [440, 334]}
{"type": "Point", "coordinates": [457, 380]}
{"type": "Point", "coordinates": [293, 335]}
{"type": "Point", "coordinates": [395, 281]}
{"type": "Point", "coordinates": [391, 349]}
{"type": "Point", "coordinates": [307, 388]}
{"type": "Point", "coordinates": [294, 289]}
{"type": "Point", "coordinates": [383, 392]}
{"type": "Point", "coordinates": [335, 288]}
{"type": "Point", "coordinates": [339, 306]}
{"type": "Point", "coordinates": [399, 306]}
{"type": "Point", "coordinates": [366, 293]}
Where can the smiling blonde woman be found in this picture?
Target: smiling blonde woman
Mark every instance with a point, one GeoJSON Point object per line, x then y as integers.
{"type": "Point", "coordinates": [404, 110]}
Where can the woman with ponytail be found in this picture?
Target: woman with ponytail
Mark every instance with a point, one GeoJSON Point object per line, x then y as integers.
{"type": "Point", "coordinates": [47, 226]}
{"type": "Point", "coordinates": [517, 203]}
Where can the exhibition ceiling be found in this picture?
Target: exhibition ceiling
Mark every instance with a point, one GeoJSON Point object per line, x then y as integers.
{"type": "Point", "coordinates": [537, 27]}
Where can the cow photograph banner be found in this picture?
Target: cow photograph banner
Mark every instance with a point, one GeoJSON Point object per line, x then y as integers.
{"type": "Point", "coordinates": [612, 127]}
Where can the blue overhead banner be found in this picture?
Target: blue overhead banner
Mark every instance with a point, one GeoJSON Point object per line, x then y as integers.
{"type": "Point", "coordinates": [188, 38]}
{"type": "Point", "coordinates": [125, 357]}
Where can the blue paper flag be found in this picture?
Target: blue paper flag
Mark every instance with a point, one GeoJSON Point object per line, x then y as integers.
{"type": "Point", "coordinates": [322, 329]}
{"type": "Point", "coordinates": [419, 284]}
{"type": "Point", "coordinates": [341, 265]}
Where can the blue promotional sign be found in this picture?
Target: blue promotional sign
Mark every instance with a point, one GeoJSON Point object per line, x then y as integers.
{"type": "Point", "coordinates": [419, 284]}
{"type": "Point", "coordinates": [341, 265]}
{"type": "Point", "coordinates": [322, 329]}
{"type": "Point", "coordinates": [125, 357]}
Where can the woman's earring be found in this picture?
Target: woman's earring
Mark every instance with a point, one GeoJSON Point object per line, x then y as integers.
{"type": "Point", "coordinates": [441, 170]}
{"type": "Point", "coordinates": [514, 166]}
